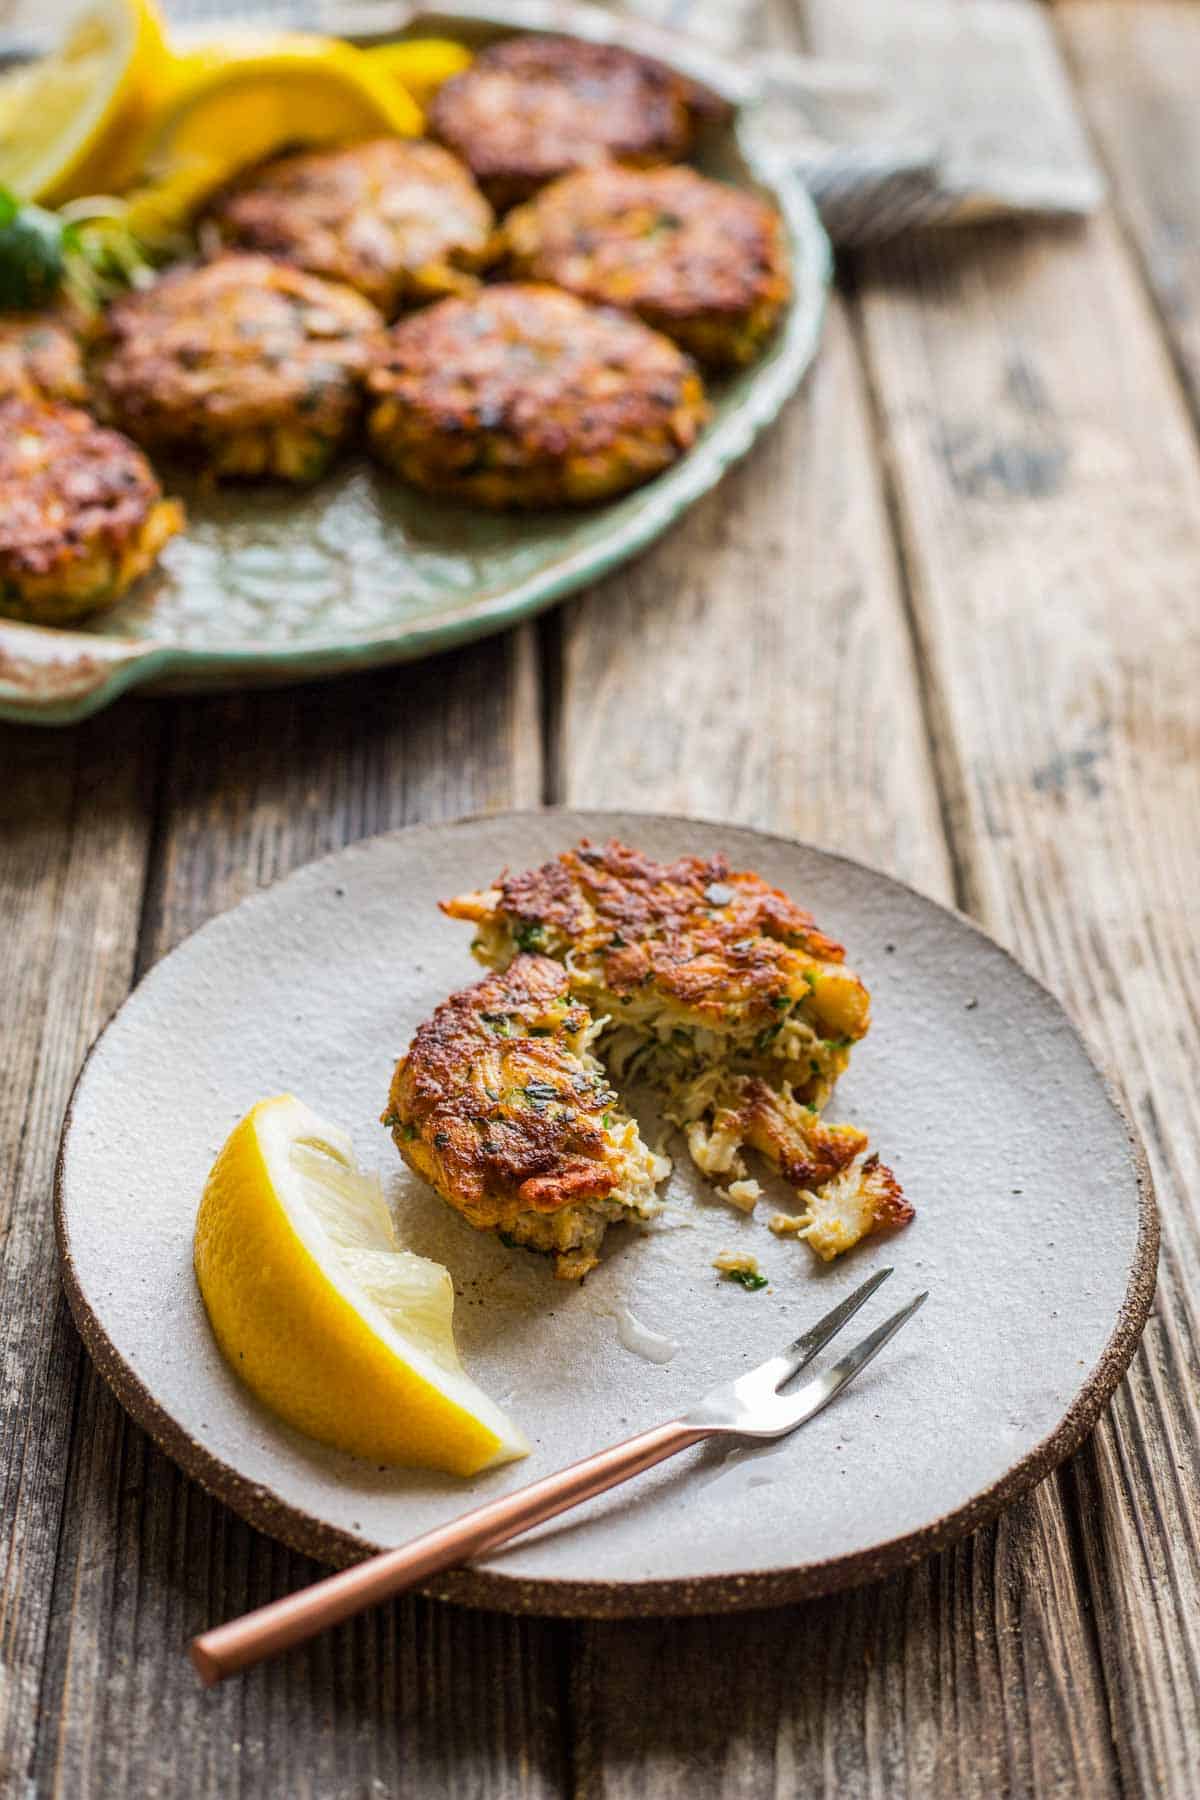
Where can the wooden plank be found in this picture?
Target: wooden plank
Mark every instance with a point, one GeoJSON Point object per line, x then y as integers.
{"type": "Point", "coordinates": [418, 1699]}
{"type": "Point", "coordinates": [73, 845]}
{"type": "Point", "coordinates": [1137, 67]}
{"type": "Point", "coordinates": [1048, 488]}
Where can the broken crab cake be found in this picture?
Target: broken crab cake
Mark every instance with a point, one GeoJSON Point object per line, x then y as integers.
{"type": "Point", "coordinates": [500, 1105]}
{"type": "Point", "coordinates": [723, 994]}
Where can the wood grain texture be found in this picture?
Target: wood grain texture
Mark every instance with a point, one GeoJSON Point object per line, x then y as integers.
{"type": "Point", "coordinates": [1048, 489]}
{"type": "Point", "coordinates": [1136, 71]}
{"type": "Point", "coordinates": [415, 1700]}
{"type": "Point", "coordinates": [74, 836]}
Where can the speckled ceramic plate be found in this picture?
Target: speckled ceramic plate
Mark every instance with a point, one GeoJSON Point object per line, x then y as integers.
{"type": "Point", "coordinates": [1035, 1235]}
{"type": "Point", "coordinates": [274, 584]}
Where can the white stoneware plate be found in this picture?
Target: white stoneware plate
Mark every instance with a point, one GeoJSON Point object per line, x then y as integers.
{"type": "Point", "coordinates": [1035, 1234]}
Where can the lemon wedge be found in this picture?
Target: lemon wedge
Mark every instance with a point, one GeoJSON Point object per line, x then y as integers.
{"type": "Point", "coordinates": [235, 102]}
{"type": "Point", "coordinates": [69, 122]}
{"type": "Point", "coordinates": [339, 1331]}
{"type": "Point", "coordinates": [420, 64]}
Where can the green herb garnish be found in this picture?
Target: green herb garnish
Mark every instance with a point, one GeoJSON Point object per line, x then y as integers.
{"type": "Point", "coordinates": [750, 1279]}
{"type": "Point", "coordinates": [33, 254]}
{"type": "Point", "coordinates": [541, 1090]}
{"type": "Point", "coordinates": [530, 936]}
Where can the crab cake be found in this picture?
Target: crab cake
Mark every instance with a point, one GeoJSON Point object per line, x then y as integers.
{"type": "Point", "coordinates": [81, 514]}
{"type": "Point", "coordinates": [530, 108]}
{"type": "Point", "coordinates": [700, 261]}
{"type": "Point", "coordinates": [525, 396]}
{"type": "Point", "coordinates": [399, 220]}
{"type": "Point", "coordinates": [244, 364]}
{"type": "Point", "coordinates": [721, 992]}
{"type": "Point", "coordinates": [501, 1106]}
{"type": "Point", "coordinates": [39, 359]}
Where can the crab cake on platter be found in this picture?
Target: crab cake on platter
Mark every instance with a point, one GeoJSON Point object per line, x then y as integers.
{"type": "Point", "coordinates": [721, 992]}
{"type": "Point", "coordinates": [530, 108]}
{"type": "Point", "coordinates": [81, 514]}
{"type": "Point", "coordinates": [501, 1106]}
{"type": "Point", "coordinates": [40, 359]}
{"type": "Point", "coordinates": [398, 219]}
{"type": "Point", "coordinates": [704, 263]}
{"type": "Point", "coordinates": [525, 396]}
{"type": "Point", "coordinates": [243, 364]}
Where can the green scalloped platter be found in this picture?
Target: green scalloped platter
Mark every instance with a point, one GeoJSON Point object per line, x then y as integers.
{"type": "Point", "coordinates": [271, 584]}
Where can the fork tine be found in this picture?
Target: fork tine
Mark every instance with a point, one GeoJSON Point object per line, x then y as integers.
{"type": "Point", "coordinates": [818, 1392]}
{"type": "Point", "coordinates": [801, 1352]}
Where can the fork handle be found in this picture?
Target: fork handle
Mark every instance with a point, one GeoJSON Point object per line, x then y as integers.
{"type": "Point", "coordinates": [227, 1649]}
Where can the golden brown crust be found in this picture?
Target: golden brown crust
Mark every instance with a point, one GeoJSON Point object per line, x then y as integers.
{"type": "Point", "coordinates": [397, 219]}
{"type": "Point", "coordinates": [794, 1139]}
{"type": "Point", "coordinates": [703, 262]}
{"type": "Point", "coordinates": [81, 513]}
{"type": "Point", "coordinates": [530, 108]}
{"type": "Point", "coordinates": [720, 942]}
{"type": "Point", "coordinates": [524, 396]}
{"type": "Point", "coordinates": [40, 359]}
{"type": "Point", "coordinates": [494, 1105]}
{"type": "Point", "coordinates": [251, 366]}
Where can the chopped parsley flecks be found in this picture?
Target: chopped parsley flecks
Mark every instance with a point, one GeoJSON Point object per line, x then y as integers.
{"type": "Point", "coordinates": [541, 1090]}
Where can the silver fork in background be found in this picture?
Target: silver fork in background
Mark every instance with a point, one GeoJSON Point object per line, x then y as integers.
{"type": "Point", "coordinates": [753, 1406]}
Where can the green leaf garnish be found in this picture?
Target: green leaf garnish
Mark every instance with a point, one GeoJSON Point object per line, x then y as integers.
{"type": "Point", "coordinates": [750, 1279]}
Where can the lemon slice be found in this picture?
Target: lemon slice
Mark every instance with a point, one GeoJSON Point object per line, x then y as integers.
{"type": "Point", "coordinates": [340, 1332]}
{"type": "Point", "coordinates": [69, 121]}
{"type": "Point", "coordinates": [420, 64]}
{"type": "Point", "coordinates": [239, 100]}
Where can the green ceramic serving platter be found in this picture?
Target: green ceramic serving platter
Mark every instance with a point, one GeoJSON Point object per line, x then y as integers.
{"type": "Point", "coordinates": [272, 584]}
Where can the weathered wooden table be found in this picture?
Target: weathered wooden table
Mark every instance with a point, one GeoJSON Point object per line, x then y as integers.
{"type": "Point", "coordinates": [985, 510]}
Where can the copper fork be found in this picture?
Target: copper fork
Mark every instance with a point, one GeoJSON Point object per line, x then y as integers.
{"type": "Point", "coordinates": [753, 1406]}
